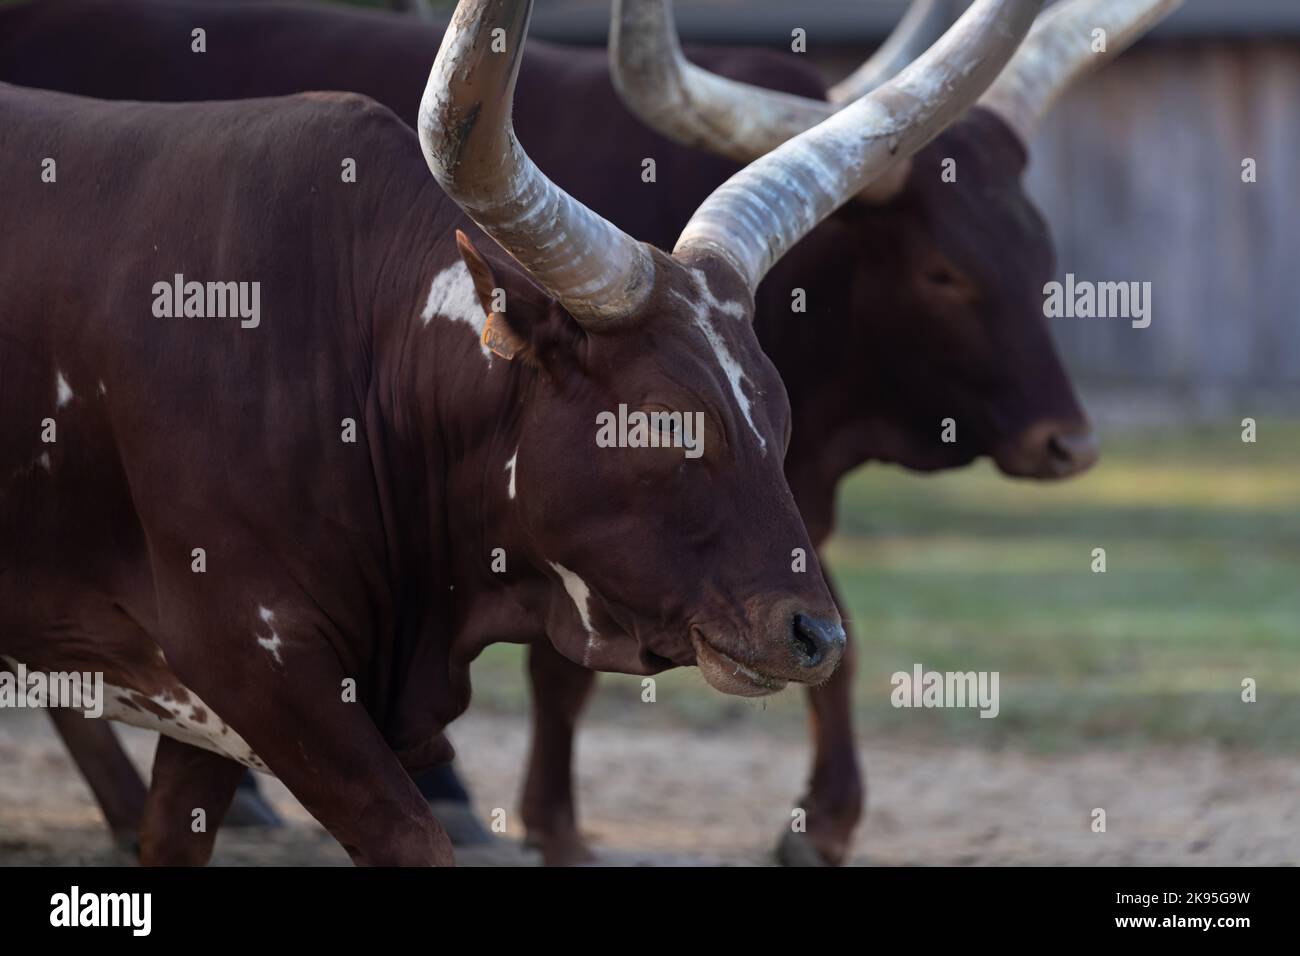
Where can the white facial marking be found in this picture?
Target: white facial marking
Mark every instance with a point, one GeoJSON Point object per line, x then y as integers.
{"type": "Point", "coordinates": [63, 388]}
{"type": "Point", "coordinates": [453, 296]}
{"type": "Point", "coordinates": [44, 461]}
{"type": "Point", "coordinates": [102, 389]}
{"type": "Point", "coordinates": [730, 367]}
{"type": "Point", "coordinates": [510, 467]}
{"type": "Point", "coordinates": [273, 642]}
{"type": "Point", "coordinates": [580, 594]}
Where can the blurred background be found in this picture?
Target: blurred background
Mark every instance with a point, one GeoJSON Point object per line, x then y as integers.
{"type": "Point", "coordinates": [1138, 171]}
{"type": "Point", "coordinates": [1119, 689]}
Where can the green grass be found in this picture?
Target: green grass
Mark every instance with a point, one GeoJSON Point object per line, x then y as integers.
{"type": "Point", "coordinates": [969, 571]}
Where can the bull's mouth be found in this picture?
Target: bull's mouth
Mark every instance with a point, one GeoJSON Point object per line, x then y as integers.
{"type": "Point", "coordinates": [725, 673]}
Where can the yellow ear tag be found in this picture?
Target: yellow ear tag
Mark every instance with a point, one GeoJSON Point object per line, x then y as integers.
{"type": "Point", "coordinates": [500, 339]}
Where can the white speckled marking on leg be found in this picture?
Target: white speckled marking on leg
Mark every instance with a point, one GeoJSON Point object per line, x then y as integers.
{"type": "Point", "coordinates": [190, 720]}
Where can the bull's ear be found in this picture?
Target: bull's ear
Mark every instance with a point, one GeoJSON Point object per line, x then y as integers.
{"type": "Point", "coordinates": [498, 336]}
{"type": "Point", "coordinates": [531, 327]}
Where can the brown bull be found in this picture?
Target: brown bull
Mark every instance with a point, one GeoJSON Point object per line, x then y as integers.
{"type": "Point", "coordinates": [277, 537]}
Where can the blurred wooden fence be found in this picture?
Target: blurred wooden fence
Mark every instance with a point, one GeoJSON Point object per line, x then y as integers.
{"type": "Point", "coordinates": [1139, 170]}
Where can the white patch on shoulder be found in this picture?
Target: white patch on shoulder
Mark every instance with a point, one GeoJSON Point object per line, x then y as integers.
{"type": "Point", "coordinates": [510, 467]}
{"type": "Point", "coordinates": [453, 296]}
{"type": "Point", "coordinates": [63, 388]}
{"type": "Point", "coordinates": [730, 367]}
{"type": "Point", "coordinates": [580, 594]}
{"type": "Point", "coordinates": [273, 642]}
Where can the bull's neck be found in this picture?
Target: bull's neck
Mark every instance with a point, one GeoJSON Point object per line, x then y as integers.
{"type": "Point", "coordinates": [823, 447]}
{"type": "Point", "coordinates": [451, 413]}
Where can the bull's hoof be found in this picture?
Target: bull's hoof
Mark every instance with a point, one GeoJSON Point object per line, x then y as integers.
{"type": "Point", "coordinates": [461, 823]}
{"type": "Point", "coordinates": [795, 849]}
{"type": "Point", "coordinates": [250, 809]}
{"type": "Point", "coordinates": [568, 849]}
{"type": "Point", "coordinates": [128, 842]}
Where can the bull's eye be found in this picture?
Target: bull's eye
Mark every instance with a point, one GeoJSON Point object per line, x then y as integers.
{"type": "Point", "coordinates": [949, 284]}
{"type": "Point", "coordinates": [671, 431]}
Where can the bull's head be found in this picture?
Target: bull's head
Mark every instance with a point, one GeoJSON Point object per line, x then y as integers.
{"type": "Point", "coordinates": [947, 276]}
{"type": "Point", "coordinates": [655, 556]}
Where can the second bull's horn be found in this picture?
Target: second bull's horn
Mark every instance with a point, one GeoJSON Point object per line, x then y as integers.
{"type": "Point", "coordinates": [1059, 49]}
{"type": "Point", "coordinates": [754, 218]}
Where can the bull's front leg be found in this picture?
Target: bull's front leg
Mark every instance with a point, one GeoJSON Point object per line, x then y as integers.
{"type": "Point", "coordinates": [560, 689]}
{"type": "Point", "coordinates": [836, 791]}
{"type": "Point", "coordinates": [284, 695]}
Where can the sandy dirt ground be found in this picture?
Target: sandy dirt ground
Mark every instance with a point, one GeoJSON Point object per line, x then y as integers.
{"type": "Point", "coordinates": [685, 797]}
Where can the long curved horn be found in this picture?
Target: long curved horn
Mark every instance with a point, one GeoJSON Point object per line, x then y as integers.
{"type": "Point", "coordinates": [923, 23]}
{"type": "Point", "coordinates": [598, 272]}
{"type": "Point", "coordinates": [693, 106]}
{"type": "Point", "coordinates": [754, 218]}
{"type": "Point", "coordinates": [1058, 51]}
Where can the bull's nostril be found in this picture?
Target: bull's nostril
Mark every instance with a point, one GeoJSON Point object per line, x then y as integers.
{"type": "Point", "coordinates": [1073, 451]}
{"type": "Point", "coordinates": [816, 641]}
{"type": "Point", "coordinates": [804, 638]}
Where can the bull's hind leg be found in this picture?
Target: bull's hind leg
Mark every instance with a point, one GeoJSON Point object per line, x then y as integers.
{"type": "Point", "coordinates": [107, 770]}
{"type": "Point", "coordinates": [88, 628]}
{"type": "Point", "coordinates": [560, 689]}
{"type": "Point", "coordinates": [188, 798]}
{"type": "Point", "coordinates": [835, 797]}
